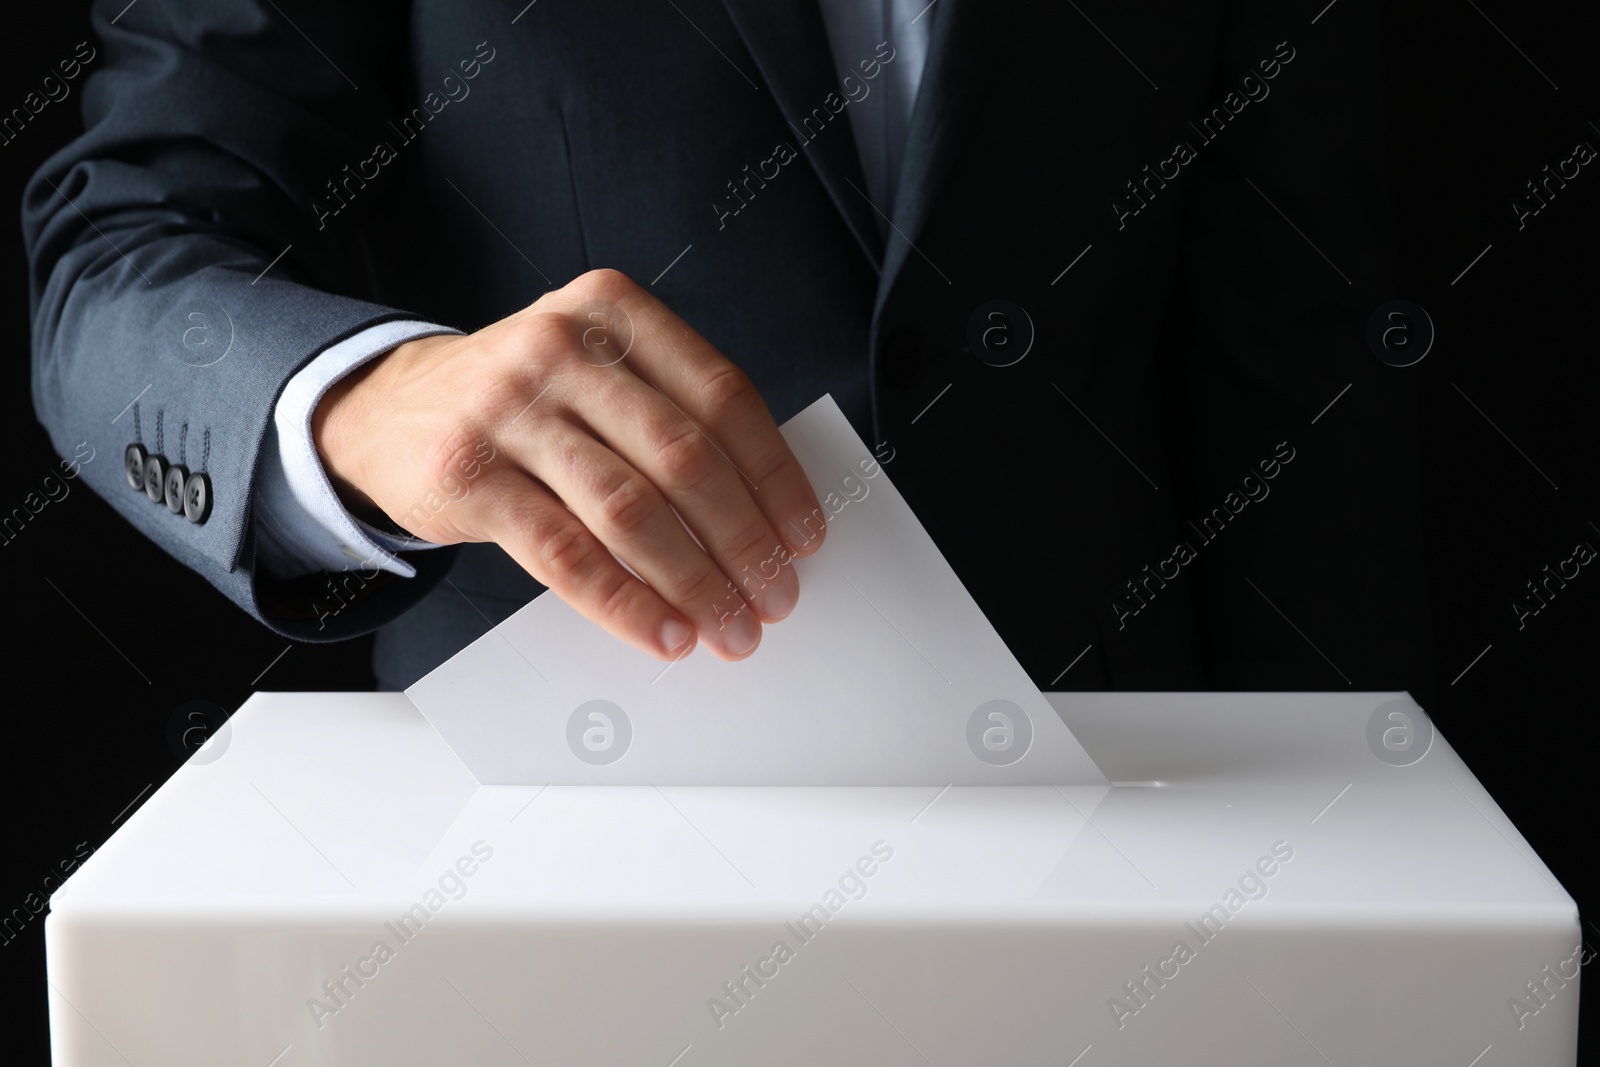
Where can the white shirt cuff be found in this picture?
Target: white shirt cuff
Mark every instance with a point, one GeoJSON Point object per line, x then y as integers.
{"type": "Point", "coordinates": [301, 525]}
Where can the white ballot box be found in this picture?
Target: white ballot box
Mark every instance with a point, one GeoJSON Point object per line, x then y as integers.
{"type": "Point", "coordinates": [1270, 879]}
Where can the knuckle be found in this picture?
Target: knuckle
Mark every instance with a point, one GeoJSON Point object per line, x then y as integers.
{"type": "Point", "coordinates": [627, 505]}
{"type": "Point", "coordinates": [702, 583]}
{"type": "Point", "coordinates": [726, 390]}
{"type": "Point", "coordinates": [684, 457]}
{"type": "Point", "coordinates": [767, 466]}
{"type": "Point", "coordinates": [605, 285]}
{"type": "Point", "coordinates": [568, 456]}
{"type": "Point", "coordinates": [754, 544]}
{"type": "Point", "coordinates": [536, 336]}
{"type": "Point", "coordinates": [521, 366]}
{"type": "Point", "coordinates": [615, 597]}
{"type": "Point", "coordinates": [568, 553]}
{"type": "Point", "coordinates": [454, 451]}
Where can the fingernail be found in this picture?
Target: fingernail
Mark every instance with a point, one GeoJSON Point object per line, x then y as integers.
{"type": "Point", "coordinates": [674, 633]}
{"type": "Point", "coordinates": [741, 633]}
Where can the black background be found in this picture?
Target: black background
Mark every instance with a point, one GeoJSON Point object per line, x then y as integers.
{"type": "Point", "coordinates": [106, 636]}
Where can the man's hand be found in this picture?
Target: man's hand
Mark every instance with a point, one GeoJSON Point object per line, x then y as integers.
{"type": "Point", "coordinates": [591, 423]}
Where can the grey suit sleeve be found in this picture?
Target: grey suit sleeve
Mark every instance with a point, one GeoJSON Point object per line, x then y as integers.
{"type": "Point", "coordinates": [180, 275]}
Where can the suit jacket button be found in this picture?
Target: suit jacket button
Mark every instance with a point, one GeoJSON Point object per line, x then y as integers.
{"type": "Point", "coordinates": [133, 464]}
{"type": "Point", "coordinates": [197, 498]}
{"type": "Point", "coordinates": [902, 359]}
{"type": "Point", "coordinates": [172, 488]}
{"type": "Point", "coordinates": [155, 478]}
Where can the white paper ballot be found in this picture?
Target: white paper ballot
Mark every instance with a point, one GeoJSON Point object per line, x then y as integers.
{"type": "Point", "coordinates": [885, 673]}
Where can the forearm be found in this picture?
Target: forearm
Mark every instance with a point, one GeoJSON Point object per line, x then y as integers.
{"type": "Point", "coordinates": [178, 274]}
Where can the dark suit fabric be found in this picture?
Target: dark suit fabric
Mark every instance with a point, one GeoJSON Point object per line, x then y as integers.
{"type": "Point", "coordinates": [1185, 345]}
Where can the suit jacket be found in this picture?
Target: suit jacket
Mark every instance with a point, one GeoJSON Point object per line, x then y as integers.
{"type": "Point", "coordinates": [1131, 262]}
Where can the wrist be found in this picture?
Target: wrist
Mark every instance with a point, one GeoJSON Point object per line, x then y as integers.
{"type": "Point", "coordinates": [345, 426]}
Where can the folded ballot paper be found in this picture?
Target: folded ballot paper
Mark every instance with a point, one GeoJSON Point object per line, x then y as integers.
{"type": "Point", "coordinates": [885, 673]}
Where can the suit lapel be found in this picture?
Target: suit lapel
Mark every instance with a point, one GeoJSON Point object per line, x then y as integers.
{"type": "Point", "coordinates": [962, 47]}
{"type": "Point", "coordinates": [790, 47]}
